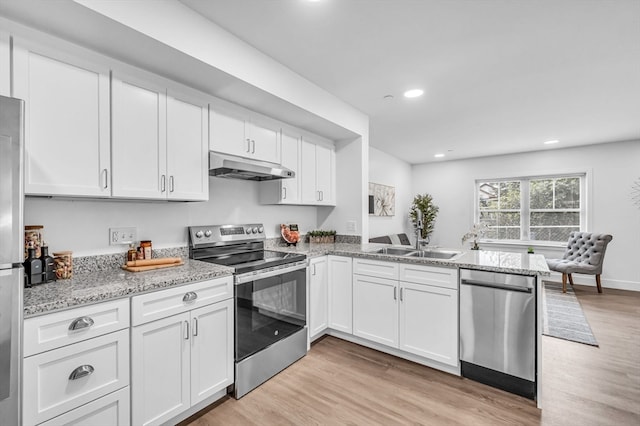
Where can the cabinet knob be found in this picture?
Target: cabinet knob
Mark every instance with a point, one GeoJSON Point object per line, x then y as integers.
{"type": "Point", "coordinates": [80, 372]}
{"type": "Point", "coordinates": [80, 323]}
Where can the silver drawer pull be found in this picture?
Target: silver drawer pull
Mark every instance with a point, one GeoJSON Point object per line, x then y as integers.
{"type": "Point", "coordinates": [80, 323]}
{"type": "Point", "coordinates": [189, 296]}
{"type": "Point", "coordinates": [80, 372]}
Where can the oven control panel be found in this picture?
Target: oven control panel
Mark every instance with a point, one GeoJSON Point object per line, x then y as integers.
{"type": "Point", "coordinates": [199, 235]}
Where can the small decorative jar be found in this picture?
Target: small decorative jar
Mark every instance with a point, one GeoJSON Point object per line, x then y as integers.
{"type": "Point", "coordinates": [33, 235]}
{"type": "Point", "coordinates": [63, 264]}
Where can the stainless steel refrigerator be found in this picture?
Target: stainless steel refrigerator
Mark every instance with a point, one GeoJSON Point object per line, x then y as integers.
{"type": "Point", "coordinates": [11, 257]}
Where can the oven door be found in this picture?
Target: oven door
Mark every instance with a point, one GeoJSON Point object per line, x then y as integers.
{"type": "Point", "coordinates": [269, 308]}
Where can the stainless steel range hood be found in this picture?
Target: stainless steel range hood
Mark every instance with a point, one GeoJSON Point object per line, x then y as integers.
{"type": "Point", "coordinates": [230, 166]}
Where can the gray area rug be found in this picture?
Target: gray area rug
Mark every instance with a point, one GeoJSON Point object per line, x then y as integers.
{"type": "Point", "coordinates": [563, 317]}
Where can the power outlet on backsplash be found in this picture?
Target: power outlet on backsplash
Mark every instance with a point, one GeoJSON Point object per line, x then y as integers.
{"type": "Point", "coordinates": [123, 235]}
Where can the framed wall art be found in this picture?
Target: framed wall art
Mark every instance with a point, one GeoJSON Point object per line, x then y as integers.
{"type": "Point", "coordinates": [382, 200]}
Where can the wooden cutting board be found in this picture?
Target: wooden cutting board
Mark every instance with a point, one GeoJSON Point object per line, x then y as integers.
{"type": "Point", "coordinates": [158, 261]}
{"type": "Point", "coordinates": [151, 266]}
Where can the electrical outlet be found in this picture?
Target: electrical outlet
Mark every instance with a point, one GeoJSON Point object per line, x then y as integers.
{"type": "Point", "coordinates": [351, 226]}
{"type": "Point", "coordinates": [123, 235]}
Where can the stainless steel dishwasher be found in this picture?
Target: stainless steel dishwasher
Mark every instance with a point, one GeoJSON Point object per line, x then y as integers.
{"type": "Point", "coordinates": [498, 330]}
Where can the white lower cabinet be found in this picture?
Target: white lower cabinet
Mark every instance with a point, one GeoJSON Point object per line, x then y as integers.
{"type": "Point", "coordinates": [340, 276]}
{"type": "Point", "coordinates": [318, 297]}
{"type": "Point", "coordinates": [180, 360]}
{"type": "Point", "coordinates": [110, 410]}
{"type": "Point", "coordinates": [416, 312]}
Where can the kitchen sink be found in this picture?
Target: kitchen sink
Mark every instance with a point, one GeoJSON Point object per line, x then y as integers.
{"type": "Point", "coordinates": [395, 251]}
{"type": "Point", "coordinates": [434, 254]}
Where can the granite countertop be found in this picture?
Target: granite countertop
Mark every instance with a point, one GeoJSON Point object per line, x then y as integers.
{"type": "Point", "coordinates": [92, 287]}
{"type": "Point", "coordinates": [494, 261]}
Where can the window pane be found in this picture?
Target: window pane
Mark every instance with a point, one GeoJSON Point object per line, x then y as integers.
{"type": "Point", "coordinates": [541, 196]}
{"type": "Point", "coordinates": [488, 195]}
{"type": "Point", "coordinates": [555, 218]}
{"type": "Point", "coordinates": [568, 193]}
{"type": "Point", "coordinates": [509, 195]}
{"type": "Point", "coordinates": [542, 233]}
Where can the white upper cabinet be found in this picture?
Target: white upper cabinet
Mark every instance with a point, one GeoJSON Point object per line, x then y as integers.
{"type": "Point", "coordinates": [66, 122]}
{"type": "Point", "coordinates": [317, 174]}
{"type": "Point", "coordinates": [187, 149]}
{"type": "Point", "coordinates": [238, 132]}
{"type": "Point", "coordinates": [285, 191]}
{"type": "Point", "coordinates": [139, 146]}
{"type": "Point", "coordinates": [5, 65]}
{"type": "Point", "coordinates": [159, 146]}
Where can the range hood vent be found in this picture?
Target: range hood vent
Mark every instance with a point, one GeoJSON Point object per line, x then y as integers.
{"type": "Point", "coordinates": [232, 167]}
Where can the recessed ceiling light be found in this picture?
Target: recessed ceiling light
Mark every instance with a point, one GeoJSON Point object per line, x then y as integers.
{"type": "Point", "coordinates": [439, 155]}
{"type": "Point", "coordinates": [387, 97]}
{"type": "Point", "coordinates": [413, 93]}
{"type": "Point", "coordinates": [551, 142]}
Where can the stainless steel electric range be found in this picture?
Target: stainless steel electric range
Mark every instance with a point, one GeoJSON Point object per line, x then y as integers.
{"type": "Point", "coordinates": [270, 299]}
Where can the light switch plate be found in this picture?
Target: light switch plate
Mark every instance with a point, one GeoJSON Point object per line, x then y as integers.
{"type": "Point", "coordinates": [123, 235]}
{"type": "Point", "coordinates": [351, 226]}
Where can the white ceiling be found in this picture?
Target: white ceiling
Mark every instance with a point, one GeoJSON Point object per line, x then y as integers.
{"type": "Point", "coordinates": [500, 76]}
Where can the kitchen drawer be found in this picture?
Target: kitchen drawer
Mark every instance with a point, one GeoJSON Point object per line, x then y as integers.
{"type": "Point", "coordinates": [63, 328]}
{"type": "Point", "coordinates": [111, 410]}
{"type": "Point", "coordinates": [164, 303]}
{"type": "Point", "coordinates": [49, 389]}
{"type": "Point", "coordinates": [429, 275]}
{"type": "Point", "coordinates": [375, 268]}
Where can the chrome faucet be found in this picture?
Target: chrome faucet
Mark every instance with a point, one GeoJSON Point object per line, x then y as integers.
{"type": "Point", "coordinates": [419, 227]}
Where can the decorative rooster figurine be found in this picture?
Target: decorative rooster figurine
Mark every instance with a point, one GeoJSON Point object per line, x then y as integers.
{"type": "Point", "coordinates": [290, 233]}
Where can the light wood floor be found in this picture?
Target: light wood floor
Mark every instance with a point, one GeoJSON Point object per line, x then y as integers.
{"type": "Point", "coordinates": [340, 383]}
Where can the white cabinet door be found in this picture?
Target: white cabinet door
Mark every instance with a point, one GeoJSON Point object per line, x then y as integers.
{"type": "Point", "coordinates": [375, 309]}
{"type": "Point", "coordinates": [227, 132]}
{"type": "Point", "coordinates": [309, 193]}
{"type": "Point", "coordinates": [160, 369]}
{"type": "Point", "coordinates": [429, 322]}
{"type": "Point", "coordinates": [187, 150]}
{"type": "Point", "coordinates": [340, 294]}
{"type": "Point", "coordinates": [265, 142]}
{"type": "Point", "coordinates": [318, 293]}
{"type": "Point", "coordinates": [211, 349]}
{"type": "Point", "coordinates": [139, 144]}
{"type": "Point", "coordinates": [325, 174]}
{"type": "Point", "coordinates": [290, 159]}
{"type": "Point", "coordinates": [66, 124]}
{"type": "Point", "coordinates": [5, 65]}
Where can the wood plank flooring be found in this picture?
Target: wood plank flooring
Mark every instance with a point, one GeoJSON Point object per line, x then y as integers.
{"type": "Point", "coordinates": [340, 383]}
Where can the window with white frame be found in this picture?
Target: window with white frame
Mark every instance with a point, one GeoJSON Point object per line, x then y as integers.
{"type": "Point", "coordinates": [543, 208]}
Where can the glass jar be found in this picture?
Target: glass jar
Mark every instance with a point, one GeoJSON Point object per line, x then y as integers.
{"type": "Point", "coordinates": [33, 236]}
{"type": "Point", "coordinates": [63, 264]}
{"type": "Point", "coordinates": [146, 248]}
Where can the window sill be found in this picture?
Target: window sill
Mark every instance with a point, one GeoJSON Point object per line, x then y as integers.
{"type": "Point", "coordinates": [524, 243]}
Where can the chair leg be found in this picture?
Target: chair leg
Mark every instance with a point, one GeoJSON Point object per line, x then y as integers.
{"type": "Point", "coordinates": [571, 279]}
{"type": "Point", "coordinates": [598, 283]}
{"type": "Point", "coordinates": [564, 283]}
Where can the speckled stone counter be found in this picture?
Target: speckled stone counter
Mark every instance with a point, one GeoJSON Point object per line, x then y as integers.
{"type": "Point", "coordinates": [102, 285]}
{"type": "Point", "coordinates": [494, 261]}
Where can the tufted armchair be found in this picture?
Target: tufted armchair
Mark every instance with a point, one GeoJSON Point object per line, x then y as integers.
{"type": "Point", "coordinates": [584, 255]}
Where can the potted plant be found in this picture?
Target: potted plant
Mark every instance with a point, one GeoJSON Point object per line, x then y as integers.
{"type": "Point", "coordinates": [321, 236]}
{"type": "Point", "coordinates": [476, 231]}
{"type": "Point", "coordinates": [429, 210]}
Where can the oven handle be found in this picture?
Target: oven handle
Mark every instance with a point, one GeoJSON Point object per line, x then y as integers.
{"type": "Point", "coordinates": [251, 276]}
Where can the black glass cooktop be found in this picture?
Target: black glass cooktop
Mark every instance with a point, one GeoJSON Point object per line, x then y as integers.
{"type": "Point", "coordinates": [255, 260]}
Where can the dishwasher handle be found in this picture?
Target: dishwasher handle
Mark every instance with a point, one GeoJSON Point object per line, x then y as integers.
{"type": "Point", "coordinates": [496, 285]}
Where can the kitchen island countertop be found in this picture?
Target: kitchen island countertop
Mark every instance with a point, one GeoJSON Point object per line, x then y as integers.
{"type": "Point", "coordinates": [94, 287]}
{"type": "Point", "coordinates": [493, 261]}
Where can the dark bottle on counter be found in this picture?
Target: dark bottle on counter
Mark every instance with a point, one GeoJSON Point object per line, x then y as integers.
{"type": "Point", "coordinates": [48, 265]}
{"type": "Point", "coordinates": [32, 268]}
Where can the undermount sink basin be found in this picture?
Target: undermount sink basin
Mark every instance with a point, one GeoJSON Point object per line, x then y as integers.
{"type": "Point", "coordinates": [434, 254]}
{"type": "Point", "coordinates": [395, 251]}
{"type": "Point", "coordinates": [412, 252]}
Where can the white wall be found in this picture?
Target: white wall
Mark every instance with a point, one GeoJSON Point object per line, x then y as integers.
{"type": "Point", "coordinates": [388, 170]}
{"type": "Point", "coordinates": [612, 168]}
{"type": "Point", "coordinates": [83, 225]}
